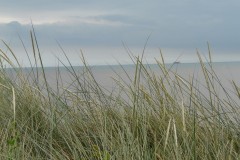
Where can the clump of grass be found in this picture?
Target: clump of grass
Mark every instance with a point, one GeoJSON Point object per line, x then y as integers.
{"type": "Point", "coordinates": [163, 117]}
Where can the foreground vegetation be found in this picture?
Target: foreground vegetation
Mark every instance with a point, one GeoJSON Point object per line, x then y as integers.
{"type": "Point", "coordinates": [151, 117]}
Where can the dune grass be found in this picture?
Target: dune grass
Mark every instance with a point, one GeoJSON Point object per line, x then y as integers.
{"type": "Point", "coordinates": [163, 117]}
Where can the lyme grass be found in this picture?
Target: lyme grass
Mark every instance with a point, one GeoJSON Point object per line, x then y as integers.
{"type": "Point", "coordinates": [163, 117]}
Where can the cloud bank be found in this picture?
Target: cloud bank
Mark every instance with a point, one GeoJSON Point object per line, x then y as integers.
{"type": "Point", "coordinates": [106, 24]}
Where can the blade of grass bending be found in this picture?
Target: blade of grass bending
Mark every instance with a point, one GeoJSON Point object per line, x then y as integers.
{"type": "Point", "coordinates": [135, 92]}
{"type": "Point", "coordinates": [29, 60]}
{"type": "Point", "coordinates": [74, 74]}
{"type": "Point", "coordinates": [236, 88]}
{"type": "Point", "coordinates": [35, 58]}
{"type": "Point", "coordinates": [4, 56]}
{"type": "Point", "coordinates": [25, 49]}
{"type": "Point", "coordinates": [33, 35]}
{"type": "Point", "coordinates": [206, 76]}
{"type": "Point", "coordinates": [167, 134]}
{"type": "Point", "coordinates": [11, 53]}
{"type": "Point", "coordinates": [4, 86]}
{"type": "Point", "coordinates": [183, 117]}
{"type": "Point", "coordinates": [194, 133]}
{"type": "Point", "coordinates": [175, 137]}
{"type": "Point", "coordinates": [97, 86]}
{"type": "Point", "coordinates": [14, 105]}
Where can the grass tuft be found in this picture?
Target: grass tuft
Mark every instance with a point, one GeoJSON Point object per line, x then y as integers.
{"type": "Point", "coordinates": [149, 116]}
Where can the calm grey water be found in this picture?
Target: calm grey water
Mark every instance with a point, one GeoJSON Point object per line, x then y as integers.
{"type": "Point", "coordinates": [226, 71]}
{"type": "Point", "coordinates": [104, 75]}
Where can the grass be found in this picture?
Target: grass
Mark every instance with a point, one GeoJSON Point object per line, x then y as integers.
{"type": "Point", "coordinates": [164, 117]}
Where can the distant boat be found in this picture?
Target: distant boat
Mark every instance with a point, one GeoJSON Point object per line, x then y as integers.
{"type": "Point", "coordinates": [176, 62]}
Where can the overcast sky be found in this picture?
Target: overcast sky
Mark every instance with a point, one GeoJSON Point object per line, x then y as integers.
{"type": "Point", "coordinates": [99, 28]}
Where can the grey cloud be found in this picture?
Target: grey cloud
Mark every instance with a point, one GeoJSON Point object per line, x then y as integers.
{"type": "Point", "coordinates": [11, 28]}
{"type": "Point", "coordinates": [134, 35]}
{"type": "Point", "coordinates": [182, 24]}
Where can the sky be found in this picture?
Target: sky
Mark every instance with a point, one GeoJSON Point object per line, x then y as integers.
{"type": "Point", "coordinates": [103, 30]}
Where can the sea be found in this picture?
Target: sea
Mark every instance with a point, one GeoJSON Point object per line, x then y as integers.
{"type": "Point", "coordinates": [106, 75]}
{"type": "Point", "coordinates": [109, 76]}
